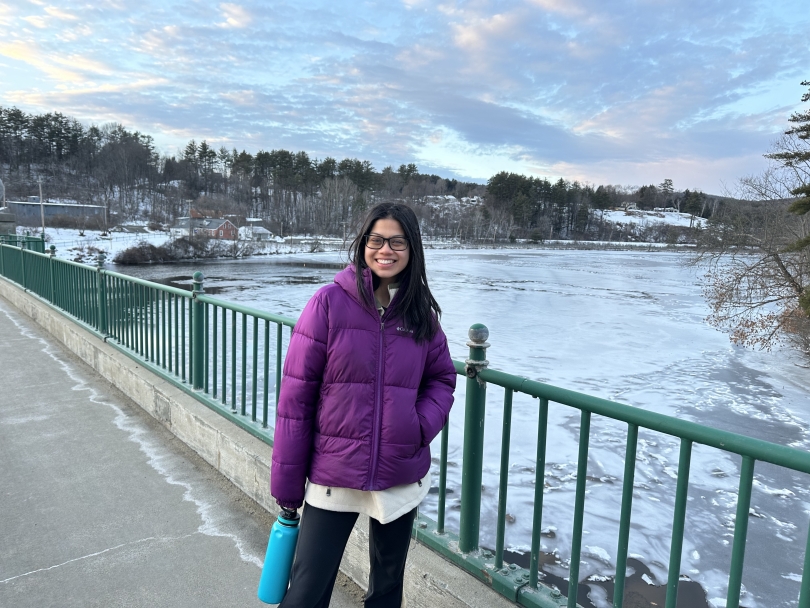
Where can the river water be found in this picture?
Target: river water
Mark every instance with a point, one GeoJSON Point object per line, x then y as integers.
{"type": "Point", "coordinates": [626, 326]}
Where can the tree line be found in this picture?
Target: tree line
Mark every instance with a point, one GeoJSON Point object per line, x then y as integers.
{"type": "Point", "coordinates": [121, 169]}
{"type": "Point", "coordinates": [537, 208]}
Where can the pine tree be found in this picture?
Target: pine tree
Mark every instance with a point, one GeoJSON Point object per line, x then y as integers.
{"type": "Point", "coordinates": [763, 295]}
{"type": "Point", "coordinates": [795, 155]}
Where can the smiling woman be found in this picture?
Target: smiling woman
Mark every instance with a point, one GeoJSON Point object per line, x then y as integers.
{"type": "Point", "coordinates": [354, 427]}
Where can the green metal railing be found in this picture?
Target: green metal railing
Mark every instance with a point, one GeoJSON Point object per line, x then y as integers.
{"type": "Point", "coordinates": [689, 433]}
{"type": "Point", "coordinates": [33, 243]}
{"type": "Point", "coordinates": [230, 358]}
{"type": "Point", "coordinates": [236, 370]}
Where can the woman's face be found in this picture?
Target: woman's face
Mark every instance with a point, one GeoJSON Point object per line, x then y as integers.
{"type": "Point", "coordinates": [386, 263]}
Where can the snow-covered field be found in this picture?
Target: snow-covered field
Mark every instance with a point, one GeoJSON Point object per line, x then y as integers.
{"type": "Point", "coordinates": [73, 245]}
{"type": "Point", "coordinates": [654, 217]}
{"type": "Point", "coordinates": [624, 325]}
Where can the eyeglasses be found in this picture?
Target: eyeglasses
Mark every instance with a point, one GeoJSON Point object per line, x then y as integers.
{"type": "Point", "coordinates": [397, 243]}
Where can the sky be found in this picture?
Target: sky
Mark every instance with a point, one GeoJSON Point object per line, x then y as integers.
{"type": "Point", "coordinates": [627, 92]}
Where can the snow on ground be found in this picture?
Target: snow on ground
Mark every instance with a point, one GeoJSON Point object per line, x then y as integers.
{"type": "Point", "coordinates": [72, 245]}
{"type": "Point", "coordinates": [638, 216]}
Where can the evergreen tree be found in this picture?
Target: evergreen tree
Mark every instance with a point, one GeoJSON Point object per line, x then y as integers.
{"type": "Point", "coordinates": [764, 296]}
{"type": "Point", "coordinates": [794, 156]}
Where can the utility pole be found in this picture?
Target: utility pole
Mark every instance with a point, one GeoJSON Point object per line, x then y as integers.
{"type": "Point", "coordinates": [41, 207]}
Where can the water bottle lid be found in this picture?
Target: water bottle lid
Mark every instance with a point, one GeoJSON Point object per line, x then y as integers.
{"type": "Point", "coordinates": [288, 517]}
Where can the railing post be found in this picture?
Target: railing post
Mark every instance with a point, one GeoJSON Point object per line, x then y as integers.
{"type": "Point", "coordinates": [102, 294]}
{"type": "Point", "coordinates": [22, 266]}
{"type": "Point", "coordinates": [470, 517]}
{"type": "Point", "coordinates": [50, 273]}
{"type": "Point", "coordinates": [197, 333]}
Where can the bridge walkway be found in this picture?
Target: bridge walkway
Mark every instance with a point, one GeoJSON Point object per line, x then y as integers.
{"type": "Point", "coordinates": [101, 506]}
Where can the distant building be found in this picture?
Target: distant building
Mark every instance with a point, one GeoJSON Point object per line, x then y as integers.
{"type": "Point", "coordinates": [255, 233]}
{"type": "Point", "coordinates": [221, 229]}
{"type": "Point", "coordinates": [211, 228]}
{"type": "Point", "coordinates": [31, 210]}
{"type": "Point", "coordinates": [130, 229]}
{"type": "Point", "coordinates": [260, 234]}
{"type": "Point", "coordinates": [8, 223]}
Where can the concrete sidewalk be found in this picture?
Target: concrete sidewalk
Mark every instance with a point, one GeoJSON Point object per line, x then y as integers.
{"type": "Point", "coordinates": [102, 506]}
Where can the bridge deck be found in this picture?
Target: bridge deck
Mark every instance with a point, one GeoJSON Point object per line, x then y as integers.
{"type": "Point", "coordinates": [101, 506]}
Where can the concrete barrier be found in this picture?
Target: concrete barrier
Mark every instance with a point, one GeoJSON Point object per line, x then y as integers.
{"type": "Point", "coordinates": [430, 580]}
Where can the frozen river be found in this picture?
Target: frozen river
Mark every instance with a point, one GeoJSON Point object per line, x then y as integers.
{"type": "Point", "coordinates": [626, 326]}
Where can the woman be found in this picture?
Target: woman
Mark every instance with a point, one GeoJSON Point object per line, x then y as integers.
{"type": "Point", "coordinates": [368, 383]}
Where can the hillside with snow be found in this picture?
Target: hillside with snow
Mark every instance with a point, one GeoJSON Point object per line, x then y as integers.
{"type": "Point", "coordinates": [85, 245]}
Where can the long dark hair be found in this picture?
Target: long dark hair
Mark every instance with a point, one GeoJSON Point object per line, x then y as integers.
{"type": "Point", "coordinates": [414, 302]}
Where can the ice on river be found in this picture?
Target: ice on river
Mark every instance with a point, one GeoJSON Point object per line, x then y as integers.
{"type": "Point", "coordinates": [626, 326]}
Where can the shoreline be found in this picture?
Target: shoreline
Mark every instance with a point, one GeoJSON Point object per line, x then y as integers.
{"type": "Point", "coordinates": [314, 246]}
{"type": "Point", "coordinates": [71, 246]}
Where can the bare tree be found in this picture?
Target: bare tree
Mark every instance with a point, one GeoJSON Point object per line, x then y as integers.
{"type": "Point", "coordinates": [757, 251]}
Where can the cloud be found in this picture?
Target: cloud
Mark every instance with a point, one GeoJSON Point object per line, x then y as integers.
{"type": "Point", "coordinates": [713, 175]}
{"type": "Point", "coordinates": [464, 87]}
{"type": "Point", "coordinates": [567, 8]}
{"type": "Point", "coordinates": [33, 56]}
{"type": "Point", "coordinates": [7, 15]}
{"type": "Point", "coordinates": [235, 16]}
{"type": "Point", "coordinates": [60, 14]}
{"type": "Point", "coordinates": [52, 15]}
{"type": "Point", "coordinates": [37, 21]}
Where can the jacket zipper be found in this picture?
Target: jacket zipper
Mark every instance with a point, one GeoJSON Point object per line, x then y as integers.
{"type": "Point", "coordinates": [375, 434]}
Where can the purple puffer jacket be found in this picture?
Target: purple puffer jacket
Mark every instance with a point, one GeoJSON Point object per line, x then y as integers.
{"type": "Point", "coordinates": [360, 401]}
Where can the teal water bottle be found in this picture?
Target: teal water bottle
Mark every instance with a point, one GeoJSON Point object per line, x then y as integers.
{"type": "Point", "coordinates": [279, 558]}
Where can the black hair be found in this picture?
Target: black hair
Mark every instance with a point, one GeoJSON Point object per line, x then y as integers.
{"type": "Point", "coordinates": [414, 302]}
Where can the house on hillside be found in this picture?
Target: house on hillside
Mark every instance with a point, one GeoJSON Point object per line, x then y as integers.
{"type": "Point", "coordinates": [261, 234]}
{"type": "Point", "coordinates": [207, 227]}
{"type": "Point", "coordinates": [220, 229]}
{"type": "Point", "coordinates": [255, 233]}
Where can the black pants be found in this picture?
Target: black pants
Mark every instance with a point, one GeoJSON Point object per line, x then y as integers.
{"type": "Point", "coordinates": [321, 542]}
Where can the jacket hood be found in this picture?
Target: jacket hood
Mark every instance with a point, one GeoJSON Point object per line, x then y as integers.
{"type": "Point", "coordinates": [346, 279]}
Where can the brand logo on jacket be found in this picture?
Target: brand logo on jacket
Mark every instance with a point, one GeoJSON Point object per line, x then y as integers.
{"type": "Point", "coordinates": [405, 330]}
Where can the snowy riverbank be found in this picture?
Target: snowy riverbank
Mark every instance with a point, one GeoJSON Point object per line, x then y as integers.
{"type": "Point", "coordinates": [78, 246]}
